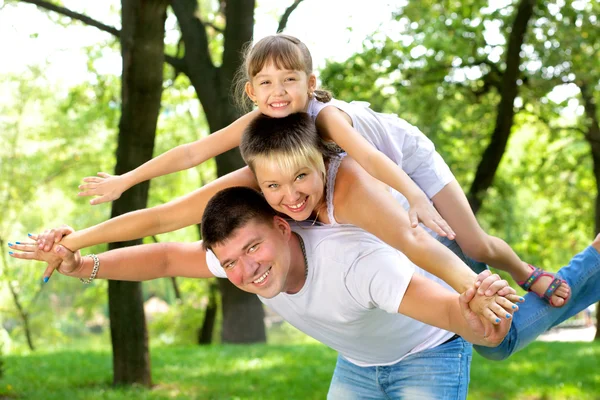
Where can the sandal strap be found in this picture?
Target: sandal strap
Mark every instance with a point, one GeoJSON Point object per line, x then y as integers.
{"type": "Point", "coordinates": [535, 275]}
{"type": "Point", "coordinates": [552, 288]}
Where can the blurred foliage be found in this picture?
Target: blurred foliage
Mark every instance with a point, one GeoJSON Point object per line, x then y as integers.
{"type": "Point", "coordinates": [55, 135]}
{"type": "Point", "coordinates": [439, 64]}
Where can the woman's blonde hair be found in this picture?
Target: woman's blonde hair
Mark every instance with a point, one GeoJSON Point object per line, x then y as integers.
{"type": "Point", "coordinates": [291, 143]}
{"type": "Point", "coordinates": [284, 52]}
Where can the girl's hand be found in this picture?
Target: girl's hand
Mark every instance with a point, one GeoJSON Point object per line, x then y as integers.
{"type": "Point", "coordinates": [108, 187]}
{"type": "Point", "coordinates": [423, 211]}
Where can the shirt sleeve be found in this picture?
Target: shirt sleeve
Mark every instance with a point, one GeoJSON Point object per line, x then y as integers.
{"type": "Point", "coordinates": [380, 279]}
{"type": "Point", "coordinates": [214, 265]}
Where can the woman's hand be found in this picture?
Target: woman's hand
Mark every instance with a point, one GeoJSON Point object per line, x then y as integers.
{"type": "Point", "coordinates": [494, 299]}
{"type": "Point", "coordinates": [59, 258]}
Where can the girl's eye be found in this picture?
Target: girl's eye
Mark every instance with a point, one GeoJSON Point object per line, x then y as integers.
{"type": "Point", "coordinates": [291, 79]}
{"type": "Point", "coordinates": [264, 83]}
{"type": "Point", "coordinates": [273, 186]}
{"type": "Point", "coordinates": [301, 176]}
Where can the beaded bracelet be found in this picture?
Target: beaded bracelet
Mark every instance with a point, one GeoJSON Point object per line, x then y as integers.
{"type": "Point", "coordinates": [94, 270]}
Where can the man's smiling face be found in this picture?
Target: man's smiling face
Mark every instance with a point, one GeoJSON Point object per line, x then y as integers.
{"type": "Point", "coordinates": [256, 257]}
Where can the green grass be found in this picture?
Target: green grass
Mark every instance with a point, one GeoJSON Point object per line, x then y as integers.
{"type": "Point", "coordinates": [300, 371]}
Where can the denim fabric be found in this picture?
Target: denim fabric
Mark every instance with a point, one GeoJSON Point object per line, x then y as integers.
{"type": "Point", "coordinates": [535, 315]}
{"type": "Point", "coordinates": [438, 373]}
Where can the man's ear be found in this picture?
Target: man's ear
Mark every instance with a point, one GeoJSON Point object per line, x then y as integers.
{"type": "Point", "coordinates": [250, 91]}
{"type": "Point", "coordinates": [282, 226]}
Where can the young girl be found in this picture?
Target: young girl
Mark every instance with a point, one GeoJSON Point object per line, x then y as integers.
{"type": "Point", "coordinates": [287, 157]}
{"type": "Point", "coordinates": [278, 78]}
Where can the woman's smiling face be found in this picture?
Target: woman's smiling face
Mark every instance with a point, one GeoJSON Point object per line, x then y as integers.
{"type": "Point", "coordinates": [295, 192]}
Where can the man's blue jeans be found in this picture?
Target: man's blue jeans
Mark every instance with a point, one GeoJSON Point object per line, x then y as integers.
{"type": "Point", "coordinates": [440, 373]}
{"type": "Point", "coordinates": [535, 315]}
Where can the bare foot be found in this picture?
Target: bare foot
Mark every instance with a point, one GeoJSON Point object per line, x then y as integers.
{"type": "Point", "coordinates": [541, 285]}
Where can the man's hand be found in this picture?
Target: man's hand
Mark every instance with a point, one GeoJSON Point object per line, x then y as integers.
{"type": "Point", "coordinates": [59, 257]}
{"type": "Point", "coordinates": [488, 330]}
{"type": "Point", "coordinates": [47, 239]}
{"type": "Point", "coordinates": [494, 297]}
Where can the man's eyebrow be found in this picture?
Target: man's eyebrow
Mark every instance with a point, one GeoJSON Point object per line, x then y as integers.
{"type": "Point", "coordinates": [246, 246]}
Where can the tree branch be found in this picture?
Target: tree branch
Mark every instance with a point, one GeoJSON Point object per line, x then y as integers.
{"type": "Point", "coordinates": [175, 62]}
{"type": "Point", "coordinates": [211, 25]}
{"type": "Point", "coordinates": [75, 15]}
{"type": "Point", "coordinates": [286, 15]}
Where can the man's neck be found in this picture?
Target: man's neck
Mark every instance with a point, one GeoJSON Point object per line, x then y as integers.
{"type": "Point", "coordinates": [297, 273]}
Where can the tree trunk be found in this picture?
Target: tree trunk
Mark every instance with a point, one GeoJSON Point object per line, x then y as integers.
{"type": "Point", "coordinates": [242, 312]}
{"type": "Point", "coordinates": [205, 333]}
{"type": "Point", "coordinates": [486, 170]}
{"type": "Point", "coordinates": [23, 314]}
{"type": "Point", "coordinates": [243, 326]}
{"type": "Point", "coordinates": [142, 49]}
{"type": "Point", "coordinates": [593, 138]}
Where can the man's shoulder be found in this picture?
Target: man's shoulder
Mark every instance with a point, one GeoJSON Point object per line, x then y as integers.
{"type": "Point", "coordinates": [344, 243]}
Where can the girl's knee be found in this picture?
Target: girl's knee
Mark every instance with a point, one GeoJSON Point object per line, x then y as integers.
{"type": "Point", "coordinates": [480, 249]}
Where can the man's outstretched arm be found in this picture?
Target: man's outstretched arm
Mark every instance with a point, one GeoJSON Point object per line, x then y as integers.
{"type": "Point", "coordinates": [429, 302]}
{"type": "Point", "coordinates": [135, 263]}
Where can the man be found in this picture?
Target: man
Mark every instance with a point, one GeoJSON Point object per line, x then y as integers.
{"type": "Point", "coordinates": [340, 285]}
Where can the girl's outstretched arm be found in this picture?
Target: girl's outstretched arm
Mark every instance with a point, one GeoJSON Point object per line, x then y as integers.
{"type": "Point", "coordinates": [110, 187]}
{"type": "Point", "coordinates": [336, 125]}
{"type": "Point", "coordinates": [176, 214]}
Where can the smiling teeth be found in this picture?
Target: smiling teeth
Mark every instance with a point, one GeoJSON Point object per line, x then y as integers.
{"type": "Point", "coordinates": [263, 276]}
{"type": "Point", "coordinates": [279, 104]}
{"type": "Point", "coordinates": [295, 207]}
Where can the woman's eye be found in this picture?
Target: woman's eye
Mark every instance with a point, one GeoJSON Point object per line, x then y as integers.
{"type": "Point", "coordinates": [273, 186]}
{"type": "Point", "coordinates": [301, 176]}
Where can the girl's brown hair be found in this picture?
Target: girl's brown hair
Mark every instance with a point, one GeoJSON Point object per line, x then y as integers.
{"type": "Point", "coordinates": [285, 52]}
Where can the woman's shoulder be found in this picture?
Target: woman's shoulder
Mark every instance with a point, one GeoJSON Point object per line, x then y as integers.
{"type": "Point", "coordinates": [352, 175]}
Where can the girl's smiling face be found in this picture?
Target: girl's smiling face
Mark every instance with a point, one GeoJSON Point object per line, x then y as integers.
{"type": "Point", "coordinates": [280, 92]}
{"type": "Point", "coordinates": [296, 192]}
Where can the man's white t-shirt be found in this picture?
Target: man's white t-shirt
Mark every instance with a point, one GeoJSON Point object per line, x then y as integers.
{"type": "Point", "coordinates": [350, 300]}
